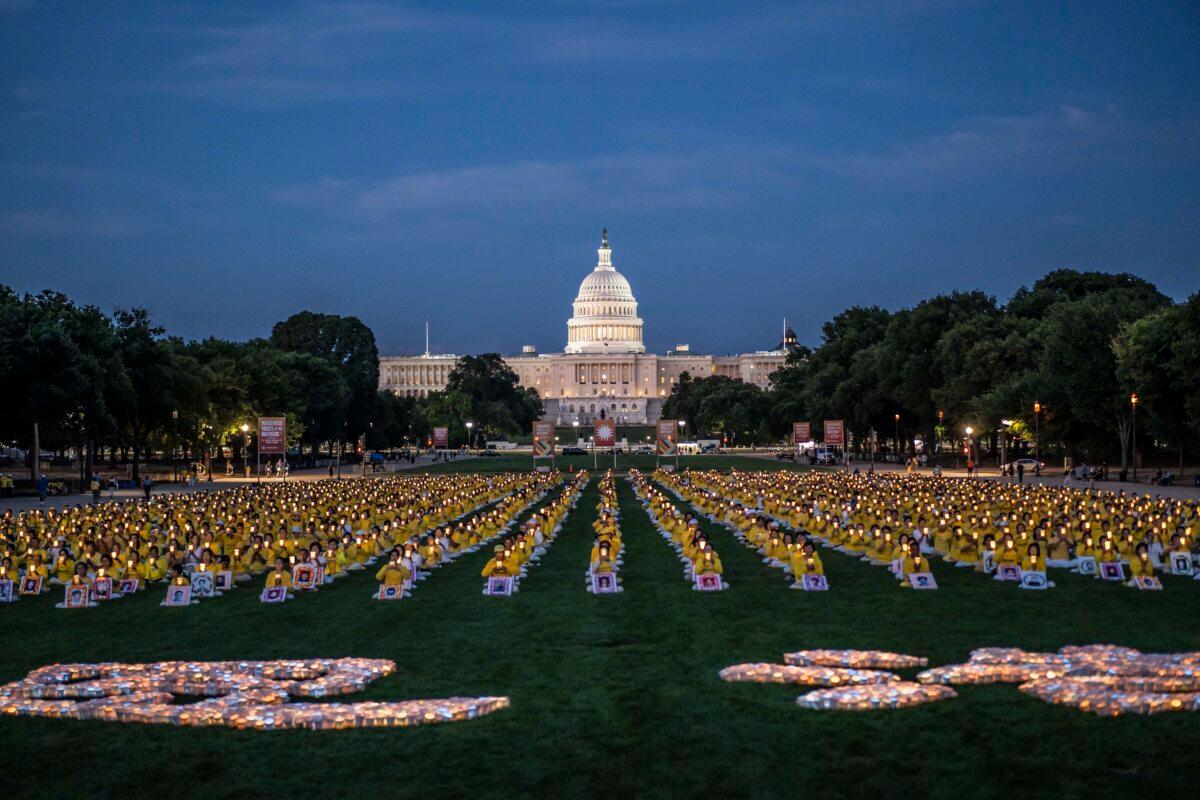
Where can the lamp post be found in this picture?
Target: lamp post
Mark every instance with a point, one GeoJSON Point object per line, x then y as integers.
{"type": "Point", "coordinates": [1037, 441]}
{"type": "Point", "coordinates": [246, 449]}
{"type": "Point", "coordinates": [897, 419]}
{"type": "Point", "coordinates": [970, 446]}
{"type": "Point", "coordinates": [470, 435]}
{"type": "Point", "coordinates": [1133, 401]}
{"type": "Point", "coordinates": [175, 442]}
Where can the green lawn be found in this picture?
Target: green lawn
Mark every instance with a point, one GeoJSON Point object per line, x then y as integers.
{"type": "Point", "coordinates": [618, 695]}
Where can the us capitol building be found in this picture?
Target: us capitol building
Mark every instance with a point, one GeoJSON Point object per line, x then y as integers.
{"type": "Point", "coordinates": [604, 365]}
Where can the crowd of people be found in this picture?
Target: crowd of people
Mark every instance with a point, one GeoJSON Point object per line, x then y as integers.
{"type": "Point", "coordinates": [260, 532]}
{"type": "Point", "coordinates": [903, 521]}
{"type": "Point", "coordinates": [604, 565]}
{"type": "Point", "coordinates": [513, 558]}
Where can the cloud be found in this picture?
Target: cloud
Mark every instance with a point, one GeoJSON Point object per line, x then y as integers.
{"type": "Point", "coordinates": [34, 223]}
{"type": "Point", "coordinates": [982, 144]}
{"type": "Point", "coordinates": [630, 181]}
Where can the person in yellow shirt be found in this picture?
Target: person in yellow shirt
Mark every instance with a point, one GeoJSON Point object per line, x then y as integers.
{"type": "Point", "coordinates": [1140, 565]}
{"type": "Point", "coordinates": [805, 561]}
{"type": "Point", "coordinates": [915, 563]}
{"type": "Point", "coordinates": [279, 576]}
{"type": "Point", "coordinates": [393, 573]}
{"type": "Point", "coordinates": [707, 562]}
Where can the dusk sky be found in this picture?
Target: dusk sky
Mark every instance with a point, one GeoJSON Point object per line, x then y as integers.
{"type": "Point", "coordinates": [228, 164]}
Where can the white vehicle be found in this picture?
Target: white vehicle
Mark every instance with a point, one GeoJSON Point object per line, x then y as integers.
{"type": "Point", "coordinates": [1027, 463]}
{"type": "Point", "coordinates": [501, 444]}
{"type": "Point", "coordinates": [824, 456]}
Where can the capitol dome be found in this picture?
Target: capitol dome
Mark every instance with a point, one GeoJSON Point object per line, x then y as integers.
{"type": "Point", "coordinates": [605, 316]}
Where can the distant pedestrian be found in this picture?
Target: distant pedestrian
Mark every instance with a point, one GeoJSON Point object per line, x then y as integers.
{"type": "Point", "coordinates": [331, 469]}
{"type": "Point", "coordinates": [147, 485]}
{"type": "Point", "coordinates": [43, 486]}
{"type": "Point", "coordinates": [95, 487]}
{"type": "Point", "coordinates": [1020, 472]}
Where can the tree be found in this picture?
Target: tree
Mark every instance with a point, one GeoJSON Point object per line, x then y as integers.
{"type": "Point", "coordinates": [347, 344]}
{"type": "Point", "coordinates": [496, 401]}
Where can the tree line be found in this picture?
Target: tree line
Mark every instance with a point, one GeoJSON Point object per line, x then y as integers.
{"type": "Point", "coordinates": [1076, 346]}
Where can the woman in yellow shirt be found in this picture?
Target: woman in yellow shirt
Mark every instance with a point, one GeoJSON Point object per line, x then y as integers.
{"type": "Point", "coordinates": [393, 573]}
{"type": "Point", "coordinates": [1140, 565]}
{"type": "Point", "coordinates": [914, 563]}
{"type": "Point", "coordinates": [279, 576]}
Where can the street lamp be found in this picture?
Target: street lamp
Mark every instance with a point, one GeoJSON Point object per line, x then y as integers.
{"type": "Point", "coordinates": [970, 446]}
{"type": "Point", "coordinates": [897, 419]}
{"type": "Point", "coordinates": [1133, 401]}
{"type": "Point", "coordinates": [246, 449]}
{"type": "Point", "coordinates": [470, 436]}
{"type": "Point", "coordinates": [1037, 441]}
{"type": "Point", "coordinates": [175, 444]}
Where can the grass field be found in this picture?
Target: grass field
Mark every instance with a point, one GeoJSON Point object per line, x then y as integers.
{"type": "Point", "coordinates": [618, 695]}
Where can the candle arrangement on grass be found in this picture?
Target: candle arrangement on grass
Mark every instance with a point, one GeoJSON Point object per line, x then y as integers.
{"type": "Point", "coordinates": [247, 695]}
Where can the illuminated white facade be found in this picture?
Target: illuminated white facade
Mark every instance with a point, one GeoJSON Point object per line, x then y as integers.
{"type": "Point", "coordinates": [604, 366]}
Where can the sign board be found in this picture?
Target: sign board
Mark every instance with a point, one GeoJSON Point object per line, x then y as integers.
{"type": "Point", "coordinates": [1149, 583]}
{"type": "Point", "coordinates": [223, 581]}
{"type": "Point", "coordinates": [543, 439]}
{"type": "Point", "coordinates": [1181, 564]}
{"type": "Point", "coordinates": [989, 561]}
{"type": "Point", "coordinates": [6, 591]}
{"type": "Point", "coordinates": [441, 437]}
{"type": "Point", "coordinates": [815, 583]}
{"type": "Point", "coordinates": [102, 588]}
{"type": "Point", "coordinates": [604, 583]}
{"type": "Point", "coordinates": [75, 595]}
{"type": "Point", "coordinates": [605, 433]}
{"type": "Point", "coordinates": [922, 580]}
{"type": "Point", "coordinates": [392, 592]}
{"type": "Point", "coordinates": [835, 432]}
{"type": "Point", "coordinates": [128, 585]}
{"type": "Point", "coordinates": [1086, 565]}
{"type": "Point", "coordinates": [1033, 580]}
{"type": "Point", "coordinates": [667, 438]}
{"type": "Point", "coordinates": [273, 594]}
{"type": "Point", "coordinates": [499, 587]}
{"type": "Point", "coordinates": [1112, 571]}
{"type": "Point", "coordinates": [1008, 572]}
{"type": "Point", "coordinates": [31, 584]}
{"type": "Point", "coordinates": [272, 435]}
{"type": "Point", "coordinates": [801, 432]}
{"type": "Point", "coordinates": [178, 595]}
{"type": "Point", "coordinates": [204, 584]}
{"type": "Point", "coordinates": [304, 577]}
{"type": "Point", "coordinates": [708, 583]}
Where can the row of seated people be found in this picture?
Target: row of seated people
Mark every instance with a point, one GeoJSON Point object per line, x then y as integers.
{"type": "Point", "coordinates": [682, 530]}
{"type": "Point", "coordinates": [608, 549]}
{"type": "Point", "coordinates": [513, 558]}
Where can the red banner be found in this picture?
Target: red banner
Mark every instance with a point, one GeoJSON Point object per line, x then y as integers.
{"type": "Point", "coordinates": [272, 435]}
{"type": "Point", "coordinates": [835, 432]}
{"type": "Point", "coordinates": [543, 439]}
{"type": "Point", "coordinates": [605, 433]}
{"type": "Point", "coordinates": [441, 437]}
{"type": "Point", "coordinates": [668, 437]}
{"type": "Point", "coordinates": [801, 432]}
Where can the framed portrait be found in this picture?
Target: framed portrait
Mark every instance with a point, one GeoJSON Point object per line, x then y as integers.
{"type": "Point", "coordinates": [923, 581]}
{"type": "Point", "coordinates": [304, 577]}
{"type": "Point", "coordinates": [897, 567]}
{"type": "Point", "coordinates": [814, 583]}
{"type": "Point", "coordinates": [989, 561]}
{"type": "Point", "coordinates": [102, 588]}
{"type": "Point", "coordinates": [320, 568]}
{"type": "Point", "coordinates": [1086, 565]}
{"type": "Point", "coordinates": [6, 591]}
{"type": "Point", "coordinates": [273, 594]}
{"type": "Point", "coordinates": [128, 585]}
{"type": "Point", "coordinates": [223, 580]}
{"type": "Point", "coordinates": [1112, 571]}
{"type": "Point", "coordinates": [604, 583]}
{"type": "Point", "coordinates": [75, 595]}
{"type": "Point", "coordinates": [1181, 564]}
{"type": "Point", "coordinates": [31, 585]}
{"type": "Point", "coordinates": [1034, 580]}
{"type": "Point", "coordinates": [203, 584]}
{"type": "Point", "coordinates": [708, 583]}
{"type": "Point", "coordinates": [178, 596]}
{"type": "Point", "coordinates": [1149, 583]}
{"type": "Point", "coordinates": [392, 592]}
{"type": "Point", "coordinates": [499, 587]}
{"type": "Point", "coordinates": [1008, 572]}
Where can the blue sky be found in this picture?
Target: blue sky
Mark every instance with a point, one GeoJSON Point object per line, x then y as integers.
{"type": "Point", "coordinates": [228, 164]}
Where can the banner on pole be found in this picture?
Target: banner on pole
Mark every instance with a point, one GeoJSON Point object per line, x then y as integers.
{"type": "Point", "coordinates": [801, 432]}
{"type": "Point", "coordinates": [835, 432]}
{"type": "Point", "coordinates": [543, 439]}
{"type": "Point", "coordinates": [604, 433]}
{"type": "Point", "coordinates": [441, 437]}
{"type": "Point", "coordinates": [272, 435]}
{"type": "Point", "coordinates": [668, 437]}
